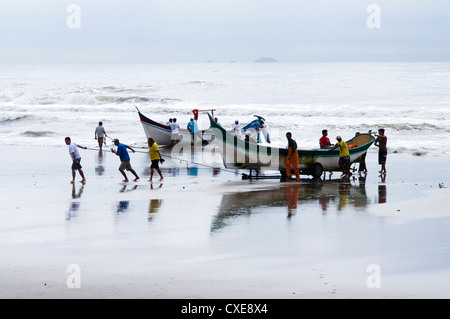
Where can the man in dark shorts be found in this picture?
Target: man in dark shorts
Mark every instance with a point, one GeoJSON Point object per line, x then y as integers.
{"type": "Point", "coordinates": [381, 142]}
{"type": "Point", "coordinates": [344, 156]}
{"type": "Point", "coordinates": [155, 157]}
{"type": "Point", "coordinates": [76, 159]}
{"type": "Point", "coordinates": [124, 159]}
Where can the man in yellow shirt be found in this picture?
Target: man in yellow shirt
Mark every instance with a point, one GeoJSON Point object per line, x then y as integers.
{"type": "Point", "coordinates": [155, 157]}
{"type": "Point", "coordinates": [344, 156]}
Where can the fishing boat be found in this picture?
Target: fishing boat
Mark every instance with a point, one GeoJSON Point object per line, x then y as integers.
{"type": "Point", "coordinates": [162, 133]}
{"type": "Point", "coordinates": [241, 154]}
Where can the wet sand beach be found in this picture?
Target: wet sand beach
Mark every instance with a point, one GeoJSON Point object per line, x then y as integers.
{"type": "Point", "coordinates": [207, 233]}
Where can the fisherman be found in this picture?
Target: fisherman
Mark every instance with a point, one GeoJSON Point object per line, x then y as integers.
{"type": "Point", "coordinates": [263, 128]}
{"type": "Point", "coordinates": [324, 141]}
{"type": "Point", "coordinates": [100, 134]}
{"type": "Point", "coordinates": [193, 129]}
{"type": "Point", "coordinates": [175, 137]}
{"type": "Point", "coordinates": [76, 159]}
{"type": "Point", "coordinates": [362, 161]}
{"type": "Point", "coordinates": [381, 142]}
{"type": "Point", "coordinates": [292, 157]}
{"type": "Point", "coordinates": [124, 159]}
{"type": "Point", "coordinates": [250, 139]}
{"type": "Point", "coordinates": [344, 156]}
{"type": "Point", "coordinates": [155, 157]}
{"type": "Point", "coordinates": [237, 130]}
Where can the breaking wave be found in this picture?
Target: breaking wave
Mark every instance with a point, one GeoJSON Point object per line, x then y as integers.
{"type": "Point", "coordinates": [92, 97]}
{"type": "Point", "coordinates": [15, 119]}
{"type": "Point", "coordinates": [37, 133]}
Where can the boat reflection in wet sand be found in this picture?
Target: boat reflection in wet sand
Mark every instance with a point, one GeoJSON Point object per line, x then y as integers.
{"type": "Point", "coordinates": [328, 194]}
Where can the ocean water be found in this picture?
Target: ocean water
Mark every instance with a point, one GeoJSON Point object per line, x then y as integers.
{"type": "Point", "coordinates": [41, 104]}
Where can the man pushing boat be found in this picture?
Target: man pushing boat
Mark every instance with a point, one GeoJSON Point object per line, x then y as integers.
{"type": "Point", "coordinates": [292, 157]}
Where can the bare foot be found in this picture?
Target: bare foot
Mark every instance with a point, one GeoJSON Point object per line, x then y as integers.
{"type": "Point", "coordinates": [136, 179]}
{"type": "Point", "coordinates": [125, 181]}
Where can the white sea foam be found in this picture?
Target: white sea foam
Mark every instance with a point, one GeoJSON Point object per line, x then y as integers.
{"type": "Point", "coordinates": [411, 101]}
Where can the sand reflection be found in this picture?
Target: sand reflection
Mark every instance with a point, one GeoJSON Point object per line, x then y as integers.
{"type": "Point", "coordinates": [295, 197]}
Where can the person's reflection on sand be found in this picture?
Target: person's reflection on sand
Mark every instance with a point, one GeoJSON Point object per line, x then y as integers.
{"type": "Point", "coordinates": [174, 171]}
{"type": "Point", "coordinates": [99, 168]}
{"type": "Point", "coordinates": [74, 206]}
{"type": "Point", "coordinates": [382, 194]}
{"type": "Point", "coordinates": [124, 188]}
{"type": "Point", "coordinates": [193, 171]}
{"type": "Point", "coordinates": [80, 191]}
{"type": "Point", "coordinates": [153, 208]}
{"type": "Point", "coordinates": [155, 187]}
{"type": "Point", "coordinates": [324, 202]}
{"type": "Point", "coordinates": [344, 195]}
{"type": "Point", "coordinates": [216, 171]}
{"type": "Point", "coordinates": [292, 191]}
{"type": "Point", "coordinates": [122, 206]}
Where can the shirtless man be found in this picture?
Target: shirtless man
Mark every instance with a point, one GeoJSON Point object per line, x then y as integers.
{"type": "Point", "coordinates": [381, 142]}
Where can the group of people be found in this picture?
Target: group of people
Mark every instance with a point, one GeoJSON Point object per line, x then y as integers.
{"type": "Point", "coordinates": [174, 127]}
{"type": "Point", "coordinates": [292, 160]}
{"type": "Point", "coordinates": [192, 127]}
{"type": "Point", "coordinates": [344, 154]}
{"type": "Point", "coordinates": [196, 134]}
{"type": "Point", "coordinates": [122, 152]}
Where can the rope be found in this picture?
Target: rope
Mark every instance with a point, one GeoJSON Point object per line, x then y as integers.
{"type": "Point", "coordinates": [174, 158]}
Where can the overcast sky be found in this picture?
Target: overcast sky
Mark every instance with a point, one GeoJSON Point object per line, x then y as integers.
{"type": "Point", "coordinates": [152, 31]}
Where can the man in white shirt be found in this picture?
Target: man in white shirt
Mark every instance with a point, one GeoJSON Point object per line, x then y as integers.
{"type": "Point", "coordinates": [237, 129]}
{"type": "Point", "coordinates": [264, 130]}
{"type": "Point", "coordinates": [175, 137]}
{"type": "Point", "coordinates": [76, 159]}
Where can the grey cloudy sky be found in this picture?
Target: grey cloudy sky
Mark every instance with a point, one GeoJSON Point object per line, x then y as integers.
{"type": "Point", "coordinates": [138, 31]}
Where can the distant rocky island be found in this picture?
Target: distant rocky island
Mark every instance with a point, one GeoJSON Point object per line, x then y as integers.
{"type": "Point", "coordinates": [265, 60]}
